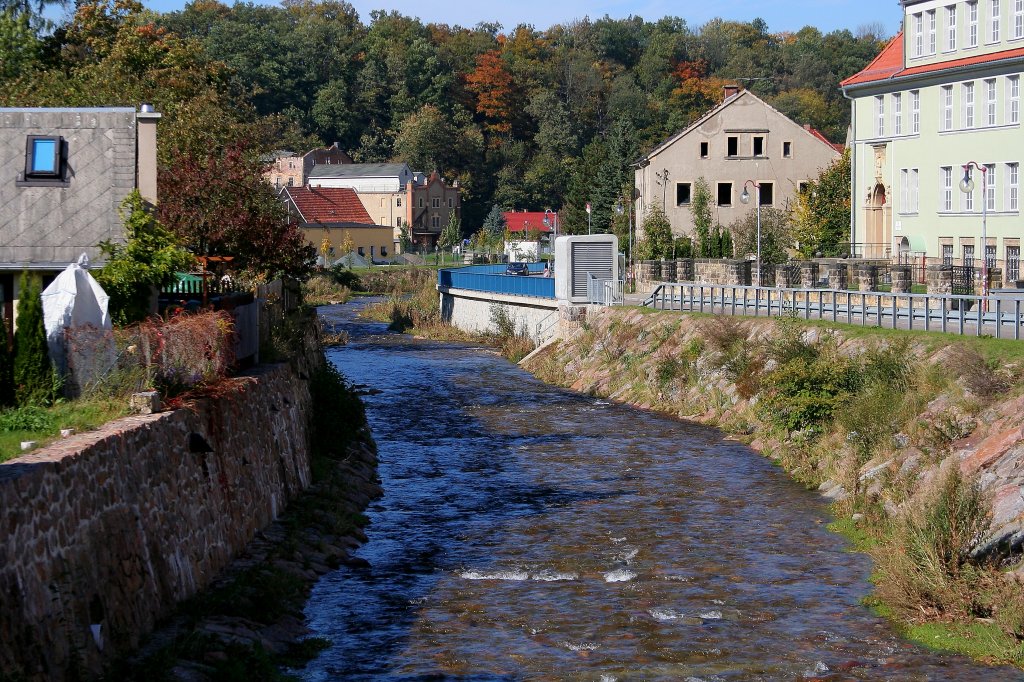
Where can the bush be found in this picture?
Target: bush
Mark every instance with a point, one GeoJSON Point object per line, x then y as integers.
{"type": "Point", "coordinates": [925, 565]}
{"type": "Point", "coordinates": [6, 376]}
{"type": "Point", "coordinates": [30, 418]}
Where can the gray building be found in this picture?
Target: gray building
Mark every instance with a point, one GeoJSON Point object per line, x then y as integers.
{"type": "Point", "coordinates": [742, 139]}
{"type": "Point", "coordinates": [63, 176]}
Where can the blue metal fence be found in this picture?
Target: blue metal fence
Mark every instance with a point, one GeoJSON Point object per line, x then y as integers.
{"type": "Point", "coordinates": [492, 278]}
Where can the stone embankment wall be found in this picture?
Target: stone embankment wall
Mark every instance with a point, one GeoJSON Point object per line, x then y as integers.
{"type": "Point", "coordinates": [105, 532]}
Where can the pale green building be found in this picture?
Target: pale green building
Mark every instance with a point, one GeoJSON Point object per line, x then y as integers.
{"type": "Point", "coordinates": [945, 92]}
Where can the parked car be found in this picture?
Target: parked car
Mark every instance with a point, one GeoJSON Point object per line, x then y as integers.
{"type": "Point", "coordinates": [517, 269]}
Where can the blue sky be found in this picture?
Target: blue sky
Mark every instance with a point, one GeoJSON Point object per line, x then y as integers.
{"type": "Point", "coordinates": [781, 15]}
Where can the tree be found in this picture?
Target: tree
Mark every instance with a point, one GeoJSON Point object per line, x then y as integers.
{"type": "Point", "coordinates": [821, 218]}
{"type": "Point", "coordinates": [700, 208]}
{"type": "Point", "coordinates": [657, 236]}
{"type": "Point", "coordinates": [146, 261]}
{"type": "Point", "coordinates": [33, 374]}
{"type": "Point", "coordinates": [6, 378]}
{"type": "Point", "coordinates": [404, 238]}
{"type": "Point", "coordinates": [494, 223]}
{"type": "Point", "coordinates": [451, 236]}
{"type": "Point", "coordinates": [218, 204]}
{"type": "Point", "coordinates": [776, 235]}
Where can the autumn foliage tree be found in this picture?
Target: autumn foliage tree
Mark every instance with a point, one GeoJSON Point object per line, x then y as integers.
{"type": "Point", "coordinates": [218, 204]}
{"type": "Point", "coordinates": [494, 87]}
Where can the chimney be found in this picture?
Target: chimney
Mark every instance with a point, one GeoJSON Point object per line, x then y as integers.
{"type": "Point", "coordinates": [730, 90]}
{"type": "Point", "coordinates": [145, 152]}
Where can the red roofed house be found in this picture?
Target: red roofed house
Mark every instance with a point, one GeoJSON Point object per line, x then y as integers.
{"type": "Point", "coordinates": [742, 139]}
{"type": "Point", "coordinates": [943, 93]}
{"type": "Point", "coordinates": [331, 215]}
{"type": "Point", "coordinates": [543, 222]}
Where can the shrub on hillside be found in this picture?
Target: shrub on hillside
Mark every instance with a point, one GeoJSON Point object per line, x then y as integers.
{"type": "Point", "coordinates": [34, 378]}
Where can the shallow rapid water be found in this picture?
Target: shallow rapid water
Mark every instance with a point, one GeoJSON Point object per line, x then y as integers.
{"type": "Point", "coordinates": [532, 533]}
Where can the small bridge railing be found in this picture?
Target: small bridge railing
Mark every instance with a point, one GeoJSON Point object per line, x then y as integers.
{"type": "Point", "coordinates": [965, 315]}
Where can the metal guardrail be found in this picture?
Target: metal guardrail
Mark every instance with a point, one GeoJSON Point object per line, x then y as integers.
{"type": "Point", "coordinates": [965, 315]}
{"type": "Point", "coordinates": [492, 279]}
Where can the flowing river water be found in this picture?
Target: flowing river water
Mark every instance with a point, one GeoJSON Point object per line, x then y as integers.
{"type": "Point", "coordinates": [532, 533]}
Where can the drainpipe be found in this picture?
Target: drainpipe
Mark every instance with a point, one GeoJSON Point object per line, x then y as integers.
{"type": "Point", "coordinates": [853, 171]}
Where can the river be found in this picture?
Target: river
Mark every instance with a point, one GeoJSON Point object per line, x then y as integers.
{"type": "Point", "coordinates": [532, 533]}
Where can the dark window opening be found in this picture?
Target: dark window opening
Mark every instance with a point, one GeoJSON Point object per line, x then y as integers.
{"type": "Point", "coordinates": [703, 150]}
{"type": "Point", "coordinates": [767, 194]}
{"type": "Point", "coordinates": [802, 187]}
{"type": "Point", "coordinates": [682, 193]}
{"type": "Point", "coordinates": [734, 146]}
{"type": "Point", "coordinates": [360, 251]}
{"type": "Point", "coordinates": [725, 194]}
{"type": "Point", "coordinates": [758, 146]}
{"type": "Point", "coordinates": [787, 150]}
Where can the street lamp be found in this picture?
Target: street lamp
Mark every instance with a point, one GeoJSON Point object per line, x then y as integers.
{"type": "Point", "coordinates": [745, 199]}
{"type": "Point", "coordinates": [629, 221]}
{"type": "Point", "coordinates": [967, 186]}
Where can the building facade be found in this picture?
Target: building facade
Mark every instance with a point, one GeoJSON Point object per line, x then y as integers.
{"type": "Point", "coordinates": [288, 169]}
{"type": "Point", "coordinates": [63, 176]}
{"type": "Point", "coordinates": [944, 93]}
{"type": "Point", "coordinates": [743, 139]}
{"type": "Point", "coordinates": [335, 223]}
{"type": "Point", "coordinates": [395, 195]}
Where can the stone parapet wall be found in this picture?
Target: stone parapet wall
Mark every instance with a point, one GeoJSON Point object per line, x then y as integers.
{"type": "Point", "coordinates": [722, 271]}
{"type": "Point", "coordinates": [105, 532]}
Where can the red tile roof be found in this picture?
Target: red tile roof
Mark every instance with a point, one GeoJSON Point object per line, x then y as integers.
{"type": "Point", "coordinates": [838, 146]}
{"type": "Point", "coordinates": [328, 205]}
{"type": "Point", "coordinates": [889, 64]}
{"type": "Point", "coordinates": [519, 221]}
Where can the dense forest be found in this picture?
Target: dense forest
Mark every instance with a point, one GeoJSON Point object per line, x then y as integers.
{"type": "Point", "coordinates": [522, 118]}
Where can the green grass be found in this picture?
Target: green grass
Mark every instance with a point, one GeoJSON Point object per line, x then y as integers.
{"type": "Point", "coordinates": [81, 415]}
{"type": "Point", "coordinates": [860, 540]}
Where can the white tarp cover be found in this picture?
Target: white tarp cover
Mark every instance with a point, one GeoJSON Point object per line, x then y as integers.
{"type": "Point", "coordinates": [74, 300]}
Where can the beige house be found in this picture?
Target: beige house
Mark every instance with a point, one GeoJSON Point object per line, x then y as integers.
{"type": "Point", "coordinates": [288, 169]}
{"type": "Point", "coordinates": [740, 142]}
{"type": "Point", "coordinates": [334, 222]}
{"type": "Point", "coordinates": [393, 194]}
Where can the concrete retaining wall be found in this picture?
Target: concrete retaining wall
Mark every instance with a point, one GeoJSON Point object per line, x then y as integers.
{"type": "Point", "coordinates": [105, 532]}
{"type": "Point", "coordinates": [471, 311]}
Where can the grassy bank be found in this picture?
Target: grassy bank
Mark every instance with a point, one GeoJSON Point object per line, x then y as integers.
{"type": "Point", "coordinates": [43, 425]}
{"type": "Point", "coordinates": [877, 420]}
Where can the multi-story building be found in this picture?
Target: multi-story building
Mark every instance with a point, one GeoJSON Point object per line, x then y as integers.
{"type": "Point", "coordinates": [944, 93]}
{"type": "Point", "coordinates": [395, 195]}
{"type": "Point", "coordinates": [742, 139]}
{"type": "Point", "coordinates": [288, 169]}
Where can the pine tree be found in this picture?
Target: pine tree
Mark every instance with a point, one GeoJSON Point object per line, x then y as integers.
{"type": "Point", "coordinates": [33, 375]}
{"type": "Point", "coordinates": [726, 244]}
{"type": "Point", "coordinates": [6, 379]}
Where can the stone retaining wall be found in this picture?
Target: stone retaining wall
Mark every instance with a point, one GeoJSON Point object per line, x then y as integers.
{"type": "Point", "coordinates": [105, 532]}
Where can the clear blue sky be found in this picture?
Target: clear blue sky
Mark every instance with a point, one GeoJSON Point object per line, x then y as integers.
{"type": "Point", "coordinates": [781, 15]}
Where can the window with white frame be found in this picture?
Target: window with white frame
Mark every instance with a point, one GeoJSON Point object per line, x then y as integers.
{"type": "Point", "coordinates": [990, 255]}
{"type": "Point", "coordinates": [947, 107]}
{"type": "Point", "coordinates": [1012, 186]}
{"type": "Point", "coordinates": [1012, 262]}
{"type": "Point", "coordinates": [909, 194]}
{"type": "Point", "coordinates": [990, 102]}
{"type": "Point", "coordinates": [946, 188]}
{"type": "Point", "coordinates": [990, 187]}
{"type": "Point", "coordinates": [435, 202]}
{"type": "Point", "coordinates": [880, 115]}
{"type": "Point", "coordinates": [947, 254]}
{"type": "Point", "coordinates": [993, 21]}
{"type": "Point", "coordinates": [1013, 99]}
{"type": "Point", "coordinates": [918, 20]}
{"type": "Point", "coordinates": [932, 31]}
{"type": "Point", "coordinates": [972, 23]}
{"type": "Point", "coordinates": [968, 103]}
{"type": "Point", "coordinates": [951, 27]}
{"type": "Point", "coordinates": [1018, 18]}
{"type": "Point", "coordinates": [897, 114]}
{"type": "Point", "coordinates": [915, 111]}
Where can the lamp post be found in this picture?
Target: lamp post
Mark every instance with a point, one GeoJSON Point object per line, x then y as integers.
{"type": "Point", "coordinates": [745, 198]}
{"type": "Point", "coordinates": [967, 186]}
{"type": "Point", "coordinates": [629, 223]}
